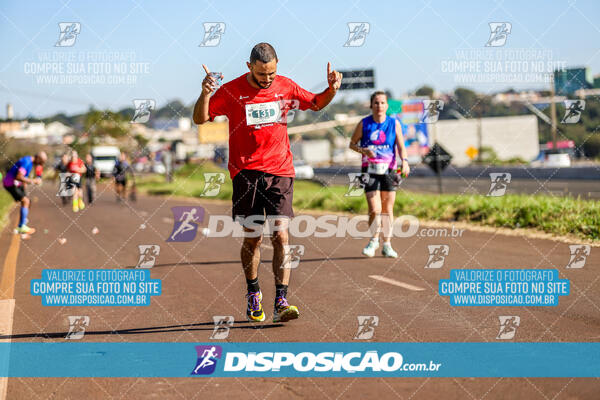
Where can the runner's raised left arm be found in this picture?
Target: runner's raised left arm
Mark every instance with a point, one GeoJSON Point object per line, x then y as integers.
{"type": "Point", "coordinates": [334, 79]}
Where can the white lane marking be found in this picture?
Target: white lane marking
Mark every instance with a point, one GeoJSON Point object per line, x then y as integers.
{"type": "Point", "coordinates": [7, 309]}
{"type": "Point", "coordinates": [396, 283]}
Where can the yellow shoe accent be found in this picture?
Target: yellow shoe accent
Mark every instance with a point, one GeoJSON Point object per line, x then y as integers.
{"type": "Point", "coordinates": [25, 229]}
{"type": "Point", "coordinates": [81, 204]}
{"type": "Point", "coordinates": [284, 314]}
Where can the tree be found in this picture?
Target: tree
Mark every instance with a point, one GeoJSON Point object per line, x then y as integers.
{"type": "Point", "coordinates": [425, 91]}
{"type": "Point", "coordinates": [105, 123]}
{"type": "Point", "coordinates": [465, 101]}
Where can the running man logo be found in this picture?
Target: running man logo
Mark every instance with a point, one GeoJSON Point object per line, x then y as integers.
{"type": "Point", "coordinates": [222, 325]}
{"type": "Point", "coordinates": [500, 181]}
{"type": "Point", "coordinates": [212, 183]}
{"type": "Point", "coordinates": [431, 111]}
{"type": "Point", "coordinates": [68, 33]}
{"type": "Point", "coordinates": [358, 33]}
{"type": "Point", "coordinates": [366, 327]}
{"type": "Point", "coordinates": [143, 108]}
{"type": "Point", "coordinates": [437, 255]}
{"type": "Point", "coordinates": [287, 110]}
{"type": "Point", "coordinates": [148, 255]}
{"type": "Point", "coordinates": [293, 252]}
{"type": "Point", "coordinates": [207, 359]}
{"type": "Point", "coordinates": [573, 110]}
{"type": "Point", "coordinates": [579, 254]}
{"type": "Point", "coordinates": [508, 326]}
{"type": "Point", "coordinates": [212, 33]}
{"type": "Point", "coordinates": [185, 226]}
{"type": "Point", "coordinates": [68, 182]}
{"type": "Point", "coordinates": [499, 32]}
{"type": "Point", "coordinates": [357, 184]}
{"type": "Point", "coordinates": [77, 325]}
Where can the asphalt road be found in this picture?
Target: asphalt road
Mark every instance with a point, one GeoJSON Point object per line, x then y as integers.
{"type": "Point", "coordinates": [576, 182]}
{"type": "Point", "coordinates": [331, 287]}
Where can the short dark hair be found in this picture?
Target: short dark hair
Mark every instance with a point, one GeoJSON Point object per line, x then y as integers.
{"type": "Point", "coordinates": [377, 93]}
{"type": "Point", "coordinates": [263, 52]}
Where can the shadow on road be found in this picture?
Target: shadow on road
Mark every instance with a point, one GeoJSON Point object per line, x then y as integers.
{"type": "Point", "coordinates": [202, 326]}
{"type": "Point", "coordinates": [190, 263]}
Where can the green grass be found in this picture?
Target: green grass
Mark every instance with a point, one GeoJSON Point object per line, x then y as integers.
{"type": "Point", "coordinates": [6, 202]}
{"type": "Point", "coordinates": [555, 215]}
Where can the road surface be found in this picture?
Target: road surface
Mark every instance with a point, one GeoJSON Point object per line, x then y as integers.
{"type": "Point", "coordinates": [575, 182]}
{"type": "Point", "coordinates": [331, 287]}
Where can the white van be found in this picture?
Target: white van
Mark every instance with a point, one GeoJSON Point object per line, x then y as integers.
{"type": "Point", "coordinates": [105, 158]}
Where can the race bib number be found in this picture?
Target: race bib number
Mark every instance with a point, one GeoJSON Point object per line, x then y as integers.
{"type": "Point", "coordinates": [263, 113]}
{"type": "Point", "coordinates": [378, 168]}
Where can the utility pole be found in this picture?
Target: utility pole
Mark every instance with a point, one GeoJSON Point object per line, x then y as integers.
{"type": "Point", "coordinates": [553, 111]}
{"type": "Point", "coordinates": [437, 155]}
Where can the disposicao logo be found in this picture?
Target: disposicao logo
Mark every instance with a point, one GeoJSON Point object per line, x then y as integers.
{"type": "Point", "coordinates": [307, 361]}
{"type": "Point", "coordinates": [207, 359]}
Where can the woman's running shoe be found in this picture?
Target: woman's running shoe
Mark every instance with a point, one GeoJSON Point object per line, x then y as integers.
{"type": "Point", "coordinates": [373, 245]}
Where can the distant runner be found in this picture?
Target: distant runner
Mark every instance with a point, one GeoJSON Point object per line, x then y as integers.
{"type": "Point", "coordinates": [378, 138]}
{"type": "Point", "coordinates": [62, 168]}
{"type": "Point", "coordinates": [15, 181]}
{"type": "Point", "coordinates": [261, 162]}
{"type": "Point", "coordinates": [92, 174]}
{"type": "Point", "coordinates": [120, 171]}
{"type": "Point", "coordinates": [76, 166]}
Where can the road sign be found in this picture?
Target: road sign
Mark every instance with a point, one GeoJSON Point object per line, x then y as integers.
{"type": "Point", "coordinates": [437, 158]}
{"type": "Point", "coordinates": [358, 79]}
{"type": "Point", "coordinates": [471, 152]}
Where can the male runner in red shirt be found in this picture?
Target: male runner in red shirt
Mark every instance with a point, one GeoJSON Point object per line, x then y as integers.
{"type": "Point", "coordinates": [261, 161]}
{"type": "Point", "coordinates": [76, 166]}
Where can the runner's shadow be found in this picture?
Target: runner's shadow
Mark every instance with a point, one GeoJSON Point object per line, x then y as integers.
{"type": "Point", "coordinates": [209, 326]}
{"type": "Point", "coordinates": [303, 260]}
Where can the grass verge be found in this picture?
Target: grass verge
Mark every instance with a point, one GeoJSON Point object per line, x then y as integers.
{"type": "Point", "coordinates": [6, 202]}
{"type": "Point", "coordinates": [555, 215]}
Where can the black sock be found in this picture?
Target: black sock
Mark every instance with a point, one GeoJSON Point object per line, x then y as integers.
{"type": "Point", "coordinates": [280, 291]}
{"type": "Point", "coordinates": [252, 285]}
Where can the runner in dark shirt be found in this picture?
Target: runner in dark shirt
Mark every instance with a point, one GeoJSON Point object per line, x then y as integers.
{"type": "Point", "coordinates": [91, 176]}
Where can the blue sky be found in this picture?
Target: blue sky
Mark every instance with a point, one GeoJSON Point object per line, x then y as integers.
{"type": "Point", "coordinates": [406, 44]}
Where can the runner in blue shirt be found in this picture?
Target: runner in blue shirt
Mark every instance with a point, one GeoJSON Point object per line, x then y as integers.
{"type": "Point", "coordinates": [15, 180]}
{"type": "Point", "coordinates": [378, 138]}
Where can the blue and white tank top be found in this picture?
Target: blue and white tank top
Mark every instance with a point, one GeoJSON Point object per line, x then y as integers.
{"type": "Point", "coordinates": [381, 138]}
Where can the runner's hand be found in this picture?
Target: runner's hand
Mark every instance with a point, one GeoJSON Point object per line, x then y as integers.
{"type": "Point", "coordinates": [37, 180]}
{"type": "Point", "coordinates": [209, 83]}
{"type": "Point", "coordinates": [369, 153]}
{"type": "Point", "coordinates": [405, 168]}
{"type": "Point", "coordinates": [334, 78]}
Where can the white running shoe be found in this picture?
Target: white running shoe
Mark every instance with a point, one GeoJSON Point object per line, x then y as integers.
{"type": "Point", "coordinates": [373, 245]}
{"type": "Point", "coordinates": [387, 251]}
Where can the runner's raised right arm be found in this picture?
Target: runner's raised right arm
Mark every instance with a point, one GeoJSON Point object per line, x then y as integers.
{"type": "Point", "coordinates": [201, 114]}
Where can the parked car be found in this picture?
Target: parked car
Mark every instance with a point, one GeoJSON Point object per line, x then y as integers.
{"type": "Point", "coordinates": [303, 170]}
{"type": "Point", "coordinates": [105, 158]}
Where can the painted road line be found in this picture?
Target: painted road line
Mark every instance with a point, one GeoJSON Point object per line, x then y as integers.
{"type": "Point", "coordinates": [7, 301]}
{"type": "Point", "coordinates": [396, 283]}
{"type": "Point", "coordinates": [7, 285]}
{"type": "Point", "coordinates": [7, 308]}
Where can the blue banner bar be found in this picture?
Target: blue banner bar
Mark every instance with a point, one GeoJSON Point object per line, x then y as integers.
{"type": "Point", "coordinates": [222, 359]}
{"type": "Point", "coordinates": [504, 287]}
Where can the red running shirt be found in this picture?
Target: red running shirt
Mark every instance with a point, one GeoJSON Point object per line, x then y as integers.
{"type": "Point", "coordinates": [75, 166]}
{"type": "Point", "coordinates": [258, 138]}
